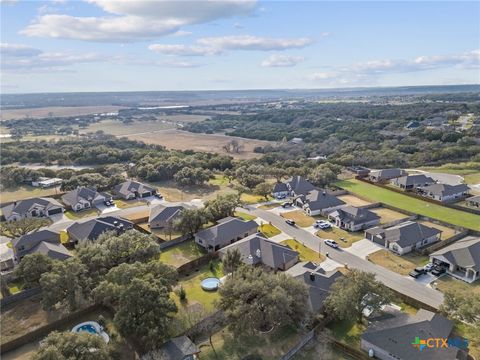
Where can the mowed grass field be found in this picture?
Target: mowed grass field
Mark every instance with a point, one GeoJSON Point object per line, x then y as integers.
{"type": "Point", "coordinates": [26, 192]}
{"type": "Point", "coordinates": [376, 193]}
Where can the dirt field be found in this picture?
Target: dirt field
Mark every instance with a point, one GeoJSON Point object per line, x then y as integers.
{"type": "Point", "coordinates": [353, 200]}
{"type": "Point", "coordinates": [182, 140]}
{"type": "Point", "coordinates": [56, 111]}
{"type": "Point", "coordinates": [388, 215]}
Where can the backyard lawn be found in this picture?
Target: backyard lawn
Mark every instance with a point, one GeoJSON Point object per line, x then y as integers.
{"type": "Point", "coordinates": [347, 331]}
{"type": "Point", "coordinates": [244, 216]}
{"type": "Point", "coordinates": [353, 200]}
{"type": "Point", "coordinates": [25, 192]}
{"type": "Point", "coordinates": [269, 346]}
{"type": "Point", "coordinates": [181, 254]}
{"type": "Point", "coordinates": [306, 254]}
{"type": "Point", "coordinates": [337, 234]}
{"type": "Point", "coordinates": [387, 215]}
{"type": "Point", "coordinates": [72, 215]}
{"type": "Point", "coordinates": [300, 218]}
{"type": "Point", "coordinates": [399, 264]}
{"type": "Point", "coordinates": [446, 282]}
{"type": "Point", "coordinates": [195, 293]}
{"type": "Point", "coordinates": [447, 232]}
{"type": "Point", "coordinates": [253, 199]}
{"type": "Point", "coordinates": [268, 230]}
{"type": "Point", "coordinates": [405, 202]}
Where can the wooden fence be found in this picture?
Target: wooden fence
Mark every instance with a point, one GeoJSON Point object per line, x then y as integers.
{"type": "Point", "coordinates": [7, 301]}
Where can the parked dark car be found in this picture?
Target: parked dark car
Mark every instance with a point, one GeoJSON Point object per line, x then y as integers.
{"type": "Point", "coordinates": [158, 196]}
{"type": "Point", "coordinates": [438, 270]}
{"type": "Point", "coordinates": [290, 222]}
{"type": "Point", "coordinates": [417, 272]}
{"type": "Point", "coordinates": [286, 204]}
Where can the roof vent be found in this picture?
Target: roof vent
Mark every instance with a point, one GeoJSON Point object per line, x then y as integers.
{"type": "Point", "coordinates": [115, 223]}
{"type": "Point", "coordinates": [312, 276]}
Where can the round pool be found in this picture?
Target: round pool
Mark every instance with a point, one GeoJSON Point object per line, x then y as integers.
{"type": "Point", "coordinates": [93, 328]}
{"type": "Point", "coordinates": [210, 284]}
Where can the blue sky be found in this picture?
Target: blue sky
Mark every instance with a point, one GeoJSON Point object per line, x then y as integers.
{"type": "Point", "coordinates": [117, 45]}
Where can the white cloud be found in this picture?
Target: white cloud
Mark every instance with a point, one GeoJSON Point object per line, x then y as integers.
{"type": "Point", "coordinates": [17, 50]}
{"type": "Point", "coordinates": [136, 20]}
{"type": "Point", "coordinates": [370, 71]}
{"type": "Point", "coordinates": [249, 42]}
{"type": "Point", "coordinates": [282, 61]}
{"type": "Point", "coordinates": [182, 50]}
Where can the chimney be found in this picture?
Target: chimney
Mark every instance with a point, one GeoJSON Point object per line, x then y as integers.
{"type": "Point", "coordinates": [324, 193]}
{"type": "Point", "coordinates": [115, 223]}
{"type": "Point", "coordinates": [312, 276]}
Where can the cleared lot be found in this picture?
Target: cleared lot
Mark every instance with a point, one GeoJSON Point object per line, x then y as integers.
{"type": "Point", "coordinates": [400, 264]}
{"type": "Point", "coordinates": [388, 215]}
{"type": "Point", "coordinates": [353, 200]}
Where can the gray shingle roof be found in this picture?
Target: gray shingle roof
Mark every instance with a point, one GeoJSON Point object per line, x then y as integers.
{"type": "Point", "coordinates": [409, 233]}
{"type": "Point", "coordinates": [92, 229]}
{"type": "Point", "coordinates": [321, 199]}
{"type": "Point", "coordinates": [36, 237]}
{"type": "Point", "coordinates": [225, 230]}
{"type": "Point", "coordinates": [387, 173]}
{"type": "Point", "coordinates": [80, 194]}
{"type": "Point", "coordinates": [178, 348]}
{"type": "Point", "coordinates": [300, 185]}
{"type": "Point", "coordinates": [445, 189]}
{"type": "Point", "coordinates": [396, 338]}
{"type": "Point", "coordinates": [257, 249]}
{"type": "Point", "coordinates": [354, 215]}
{"type": "Point", "coordinates": [464, 253]}
{"type": "Point", "coordinates": [280, 187]}
{"type": "Point", "coordinates": [23, 206]}
{"type": "Point", "coordinates": [418, 180]}
{"type": "Point", "coordinates": [131, 186]}
{"type": "Point", "coordinates": [53, 251]}
{"type": "Point", "coordinates": [474, 199]}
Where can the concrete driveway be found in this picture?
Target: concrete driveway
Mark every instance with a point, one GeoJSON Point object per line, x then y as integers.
{"type": "Point", "coordinates": [442, 178]}
{"type": "Point", "coordinates": [425, 279]}
{"type": "Point", "coordinates": [106, 209]}
{"type": "Point", "coordinates": [363, 248]}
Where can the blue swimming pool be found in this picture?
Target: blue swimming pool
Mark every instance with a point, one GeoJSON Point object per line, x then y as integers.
{"type": "Point", "coordinates": [87, 328]}
{"type": "Point", "coordinates": [210, 284]}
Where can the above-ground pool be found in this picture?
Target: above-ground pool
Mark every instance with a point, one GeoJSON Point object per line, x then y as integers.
{"type": "Point", "coordinates": [91, 327]}
{"type": "Point", "coordinates": [210, 284]}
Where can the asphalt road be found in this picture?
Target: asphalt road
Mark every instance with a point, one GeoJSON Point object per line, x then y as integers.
{"type": "Point", "coordinates": [391, 279]}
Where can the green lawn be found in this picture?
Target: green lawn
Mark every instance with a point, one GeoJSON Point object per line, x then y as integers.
{"type": "Point", "coordinates": [181, 254]}
{"type": "Point", "coordinates": [195, 293]}
{"type": "Point", "coordinates": [123, 204]}
{"type": "Point", "coordinates": [72, 215]}
{"type": "Point", "coordinates": [253, 199]}
{"type": "Point", "coordinates": [268, 230]}
{"type": "Point", "coordinates": [25, 192]}
{"type": "Point", "coordinates": [245, 216]}
{"type": "Point", "coordinates": [306, 254]}
{"type": "Point", "coordinates": [269, 346]}
{"type": "Point", "coordinates": [405, 202]}
{"type": "Point", "coordinates": [347, 331]}
{"type": "Point", "coordinates": [471, 333]}
{"type": "Point", "coordinates": [15, 287]}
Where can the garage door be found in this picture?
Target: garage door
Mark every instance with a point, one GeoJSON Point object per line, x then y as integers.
{"type": "Point", "coordinates": [55, 211]}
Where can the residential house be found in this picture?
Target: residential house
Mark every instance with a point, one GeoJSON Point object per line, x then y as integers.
{"type": "Point", "coordinates": [412, 125]}
{"type": "Point", "coordinates": [164, 215]}
{"type": "Point", "coordinates": [297, 141]}
{"type": "Point", "coordinates": [92, 229]}
{"type": "Point", "coordinates": [280, 189]}
{"type": "Point", "coordinates": [318, 201]}
{"type": "Point", "coordinates": [226, 232]}
{"type": "Point", "coordinates": [7, 258]}
{"type": "Point", "coordinates": [393, 337]}
{"type": "Point", "coordinates": [318, 282]}
{"type": "Point", "coordinates": [405, 237]}
{"type": "Point", "coordinates": [384, 175]}
{"type": "Point", "coordinates": [84, 198]}
{"type": "Point", "coordinates": [298, 185]}
{"type": "Point", "coordinates": [42, 241]}
{"type": "Point", "coordinates": [445, 193]}
{"type": "Point", "coordinates": [34, 207]}
{"type": "Point", "coordinates": [411, 182]}
{"type": "Point", "coordinates": [359, 171]}
{"type": "Point", "coordinates": [462, 258]}
{"type": "Point", "coordinates": [473, 201]}
{"type": "Point", "coordinates": [178, 348]}
{"type": "Point", "coordinates": [353, 219]}
{"type": "Point", "coordinates": [256, 249]}
{"type": "Point", "coordinates": [130, 189]}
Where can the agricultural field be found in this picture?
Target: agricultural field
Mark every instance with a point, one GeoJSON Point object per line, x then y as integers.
{"type": "Point", "coordinates": [405, 202]}
{"type": "Point", "coordinates": [56, 111]}
{"type": "Point", "coordinates": [182, 140]}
